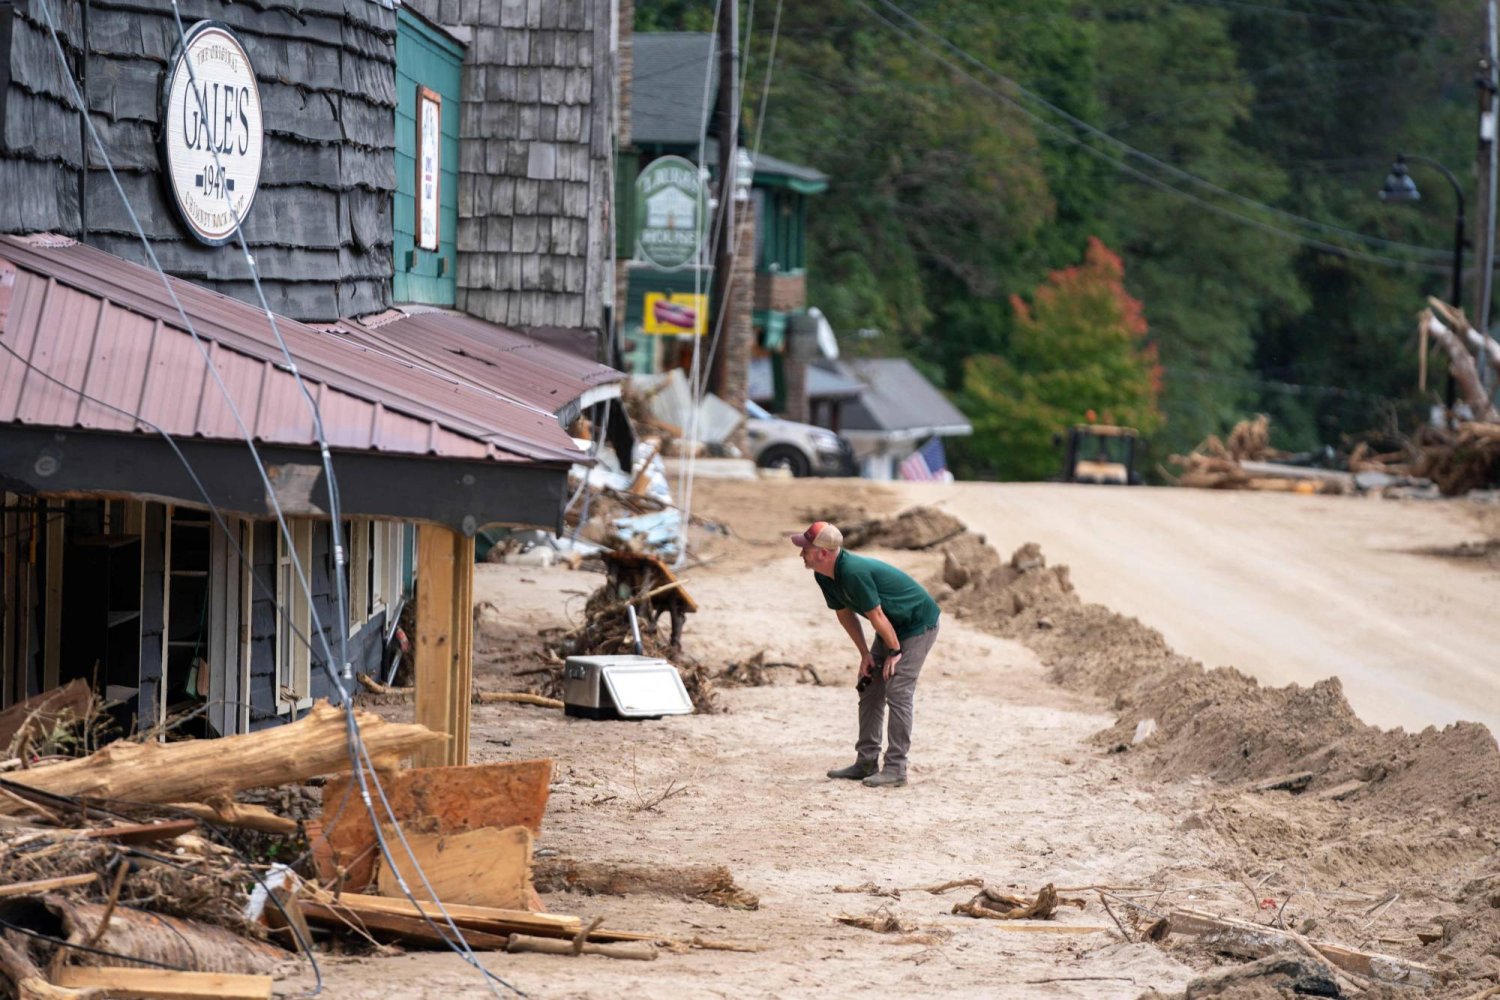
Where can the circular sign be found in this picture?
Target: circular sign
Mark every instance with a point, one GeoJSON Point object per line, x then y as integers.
{"type": "Point", "coordinates": [670, 212]}
{"type": "Point", "coordinates": [212, 136]}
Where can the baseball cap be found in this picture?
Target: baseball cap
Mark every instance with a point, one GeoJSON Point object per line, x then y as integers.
{"type": "Point", "coordinates": [820, 535]}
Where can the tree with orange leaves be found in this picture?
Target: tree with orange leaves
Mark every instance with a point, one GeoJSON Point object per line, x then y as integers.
{"type": "Point", "coordinates": [1078, 350]}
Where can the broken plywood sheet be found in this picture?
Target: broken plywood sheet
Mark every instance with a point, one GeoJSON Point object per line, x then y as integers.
{"type": "Point", "coordinates": [484, 867]}
{"type": "Point", "coordinates": [432, 800]}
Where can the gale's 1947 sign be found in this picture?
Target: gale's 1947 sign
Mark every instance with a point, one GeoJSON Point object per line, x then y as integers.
{"type": "Point", "coordinates": [212, 140]}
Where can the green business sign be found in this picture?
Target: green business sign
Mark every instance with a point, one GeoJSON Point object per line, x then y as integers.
{"type": "Point", "coordinates": [671, 214]}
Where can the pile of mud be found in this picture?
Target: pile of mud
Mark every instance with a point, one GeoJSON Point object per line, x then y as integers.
{"type": "Point", "coordinates": [1220, 722]}
{"type": "Point", "coordinates": [1360, 805]}
{"type": "Point", "coordinates": [916, 528]}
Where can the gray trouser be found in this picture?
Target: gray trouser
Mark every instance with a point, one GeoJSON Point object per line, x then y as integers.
{"type": "Point", "coordinates": [897, 693]}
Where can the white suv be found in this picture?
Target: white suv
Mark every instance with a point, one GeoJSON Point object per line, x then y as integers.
{"type": "Point", "coordinates": [801, 449]}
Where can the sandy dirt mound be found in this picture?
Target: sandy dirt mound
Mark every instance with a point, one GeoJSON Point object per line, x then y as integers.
{"type": "Point", "coordinates": [916, 528]}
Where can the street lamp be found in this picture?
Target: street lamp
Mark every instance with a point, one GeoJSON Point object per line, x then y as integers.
{"type": "Point", "coordinates": [1400, 187]}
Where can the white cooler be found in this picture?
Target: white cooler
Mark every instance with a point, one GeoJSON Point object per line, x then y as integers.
{"type": "Point", "coordinates": [623, 687]}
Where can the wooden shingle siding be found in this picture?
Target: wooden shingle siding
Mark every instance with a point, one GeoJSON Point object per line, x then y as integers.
{"type": "Point", "coordinates": [535, 159]}
{"type": "Point", "coordinates": [321, 227]}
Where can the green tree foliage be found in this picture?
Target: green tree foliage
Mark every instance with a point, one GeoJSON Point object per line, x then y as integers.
{"type": "Point", "coordinates": [951, 191]}
{"type": "Point", "coordinates": [1077, 350]}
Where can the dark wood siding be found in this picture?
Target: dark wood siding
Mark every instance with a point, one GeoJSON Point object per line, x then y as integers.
{"type": "Point", "coordinates": [535, 154]}
{"type": "Point", "coordinates": [320, 230]}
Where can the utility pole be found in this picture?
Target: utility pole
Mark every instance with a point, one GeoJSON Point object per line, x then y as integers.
{"type": "Point", "coordinates": [1488, 81]}
{"type": "Point", "coordinates": [729, 143]}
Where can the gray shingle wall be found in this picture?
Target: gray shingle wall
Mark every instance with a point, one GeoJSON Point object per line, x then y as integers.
{"type": "Point", "coordinates": [535, 168]}
{"type": "Point", "coordinates": [320, 229]}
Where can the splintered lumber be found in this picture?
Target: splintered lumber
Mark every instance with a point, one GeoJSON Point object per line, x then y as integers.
{"type": "Point", "coordinates": [162, 984]}
{"type": "Point", "coordinates": [224, 811]}
{"type": "Point", "coordinates": [1455, 319]}
{"type": "Point", "coordinates": [153, 937]}
{"type": "Point", "coordinates": [140, 833]}
{"type": "Point", "coordinates": [411, 928]}
{"type": "Point", "coordinates": [711, 883]}
{"type": "Point", "coordinates": [483, 867]}
{"type": "Point", "coordinates": [41, 712]}
{"type": "Point", "coordinates": [639, 951]}
{"type": "Point", "coordinates": [155, 772]}
{"type": "Point", "coordinates": [432, 800]}
{"type": "Point", "coordinates": [1249, 940]}
{"type": "Point", "coordinates": [498, 924]}
{"type": "Point", "coordinates": [41, 885]}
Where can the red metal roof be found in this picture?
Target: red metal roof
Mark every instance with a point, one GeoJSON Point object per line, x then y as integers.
{"type": "Point", "coordinates": [495, 358]}
{"type": "Point", "coordinates": [85, 335]}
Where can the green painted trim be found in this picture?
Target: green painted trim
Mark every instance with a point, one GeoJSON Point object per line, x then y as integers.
{"type": "Point", "coordinates": [786, 182]}
{"type": "Point", "coordinates": [430, 32]}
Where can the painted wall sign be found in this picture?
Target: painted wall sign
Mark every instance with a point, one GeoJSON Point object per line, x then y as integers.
{"type": "Point", "coordinates": [677, 312]}
{"type": "Point", "coordinates": [671, 214]}
{"type": "Point", "coordinates": [429, 165]}
{"type": "Point", "coordinates": [213, 192]}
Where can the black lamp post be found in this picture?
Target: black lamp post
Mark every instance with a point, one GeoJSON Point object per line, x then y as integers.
{"type": "Point", "coordinates": [1400, 187]}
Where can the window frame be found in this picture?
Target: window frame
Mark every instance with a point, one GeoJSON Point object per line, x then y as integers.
{"type": "Point", "coordinates": [293, 611]}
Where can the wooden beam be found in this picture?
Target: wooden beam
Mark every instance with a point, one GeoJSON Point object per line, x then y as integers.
{"type": "Point", "coordinates": [224, 811]}
{"type": "Point", "coordinates": [443, 660]}
{"type": "Point", "coordinates": [38, 886]}
{"type": "Point", "coordinates": [161, 984]}
{"type": "Point", "coordinates": [201, 769]}
{"type": "Point", "coordinates": [1240, 937]}
{"type": "Point", "coordinates": [488, 919]}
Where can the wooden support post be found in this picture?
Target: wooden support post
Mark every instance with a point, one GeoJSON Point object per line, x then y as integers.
{"type": "Point", "coordinates": [443, 660]}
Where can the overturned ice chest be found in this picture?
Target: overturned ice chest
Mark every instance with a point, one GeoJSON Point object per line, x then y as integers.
{"type": "Point", "coordinates": [623, 687]}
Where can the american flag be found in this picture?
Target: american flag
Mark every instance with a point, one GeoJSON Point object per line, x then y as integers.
{"type": "Point", "coordinates": [927, 464]}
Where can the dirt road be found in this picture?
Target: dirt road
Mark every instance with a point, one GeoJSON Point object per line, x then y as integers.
{"type": "Point", "coordinates": [1286, 588]}
{"type": "Point", "coordinates": [1008, 782]}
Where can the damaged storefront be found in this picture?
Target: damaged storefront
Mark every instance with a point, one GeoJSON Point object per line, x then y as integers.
{"type": "Point", "coordinates": [142, 549]}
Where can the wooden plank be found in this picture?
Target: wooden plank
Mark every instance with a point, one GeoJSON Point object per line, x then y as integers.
{"type": "Point", "coordinates": [410, 927]}
{"type": "Point", "coordinates": [484, 867]}
{"type": "Point", "coordinates": [443, 660]}
{"type": "Point", "coordinates": [489, 919]}
{"type": "Point", "coordinates": [38, 886]}
{"type": "Point", "coordinates": [141, 833]}
{"type": "Point", "coordinates": [441, 799]}
{"type": "Point", "coordinates": [162, 984]}
{"type": "Point", "coordinates": [1239, 937]}
{"type": "Point", "coordinates": [72, 700]}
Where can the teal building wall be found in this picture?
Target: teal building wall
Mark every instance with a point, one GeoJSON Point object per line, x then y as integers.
{"type": "Point", "coordinates": [427, 57]}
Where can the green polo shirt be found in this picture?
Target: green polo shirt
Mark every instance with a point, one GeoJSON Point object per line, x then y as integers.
{"type": "Point", "coordinates": [860, 584]}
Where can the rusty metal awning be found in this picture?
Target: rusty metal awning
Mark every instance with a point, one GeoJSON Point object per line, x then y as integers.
{"type": "Point", "coordinates": [493, 358]}
{"type": "Point", "coordinates": [91, 343]}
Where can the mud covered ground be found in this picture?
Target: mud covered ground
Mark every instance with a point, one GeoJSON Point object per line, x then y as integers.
{"type": "Point", "coordinates": [1026, 770]}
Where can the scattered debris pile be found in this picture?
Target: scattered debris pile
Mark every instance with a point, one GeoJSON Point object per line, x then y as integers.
{"type": "Point", "coordinates": [1246, 461]}
{"type": "Point", "coordinates": [641, 583]}
{"type": "Point", "coordinates": [134, 855]}
{"type": "Point", "coordinates": [1303, 786]}
{"type": "Point", "coordinates": [914, 528]}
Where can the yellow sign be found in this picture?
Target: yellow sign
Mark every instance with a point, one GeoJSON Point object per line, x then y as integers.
{"type": "Point", "coordinates": [680, 313]}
